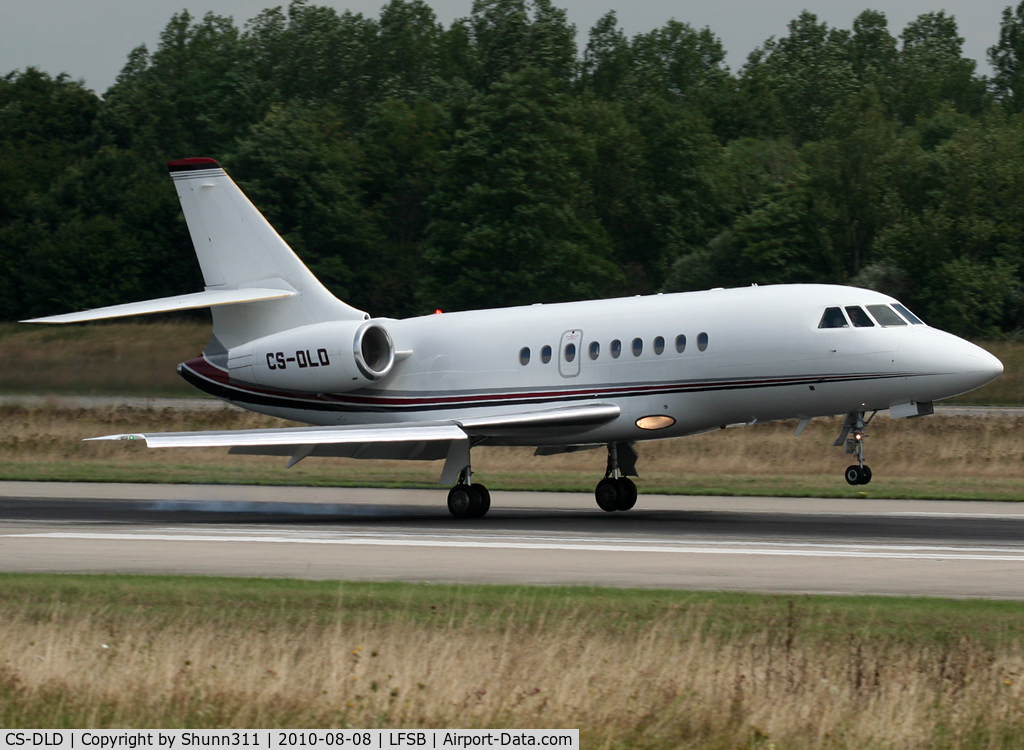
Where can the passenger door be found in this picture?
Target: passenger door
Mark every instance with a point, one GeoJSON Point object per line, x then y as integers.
{"type": "Point", "coordinates": [569, 353]}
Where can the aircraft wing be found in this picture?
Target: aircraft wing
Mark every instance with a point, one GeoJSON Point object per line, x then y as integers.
{"type": "Point", "coordinates": [448, 439]}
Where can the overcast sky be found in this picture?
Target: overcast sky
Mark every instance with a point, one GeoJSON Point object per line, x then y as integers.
{"type": "Point", "coordinates": [90, 39]}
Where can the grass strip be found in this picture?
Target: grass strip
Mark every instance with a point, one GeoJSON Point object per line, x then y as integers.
{"type": "Point", "coordinates": [631, 668]}
{"type": "Point", "coordinates": [425, 477]}
{"type": "Point", "coordinates": [940, 457]}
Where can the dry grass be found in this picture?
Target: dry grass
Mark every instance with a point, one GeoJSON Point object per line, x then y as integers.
{"type": "Point", "coordinates": [979, 457]}
{"type": "Point", "coordinates": [629, 669]}
{"type": "Point", "coordinates": [106, 359]}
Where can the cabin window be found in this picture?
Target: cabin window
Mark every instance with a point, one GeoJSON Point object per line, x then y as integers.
{"type": "Point", "coordinates": [638, 347]}
{"type": "Point", "coordinates": [595, 350]}
{"type": "Point", "coordinates": [615, 348]}
{"type": "Point", "coordinates": [702, 341]}
{"type": "Point", "coordinates": [680, 343]}
{"type": "Point", "coordinates": [885, 316]}
{"type": "Point", "coordinates": [545, 354]}
{"type": "Point", "coordinates": [902, 310]}
{"type": "Point", "coordinates": [659, 344]}
{"type": "Point", "coordinates": [570, 352]}
{"type": "Point", "coordinates": [524, 356]}
{"type": "Point", "coordinates": [833, 318]}
{"type": "Point", "coordinates": [859, 318]}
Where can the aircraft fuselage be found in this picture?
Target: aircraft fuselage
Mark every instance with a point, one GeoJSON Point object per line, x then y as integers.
{"type": "Point", "coordinates": [700, 359]}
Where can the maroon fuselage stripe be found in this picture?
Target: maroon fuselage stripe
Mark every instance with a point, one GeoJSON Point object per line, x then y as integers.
{"type": "Point", "coordinates": [202, 368]}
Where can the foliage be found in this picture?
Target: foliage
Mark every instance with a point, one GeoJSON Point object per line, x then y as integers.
{"type": "Point", "coordinates": [490, 162]}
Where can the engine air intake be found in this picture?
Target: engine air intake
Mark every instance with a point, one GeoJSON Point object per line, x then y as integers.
{"type": "Point", "coordinates": [374, 351]}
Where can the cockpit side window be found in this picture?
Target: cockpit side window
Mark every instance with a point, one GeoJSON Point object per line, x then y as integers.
{"type": "Point", "coordinates": [885, 316]}
{"type": "Point", "coordinates": [859, 317]}
{"type": "Point", "coordinates": [833, 318]}
{"type": "Point", "coordinates": [914, 320]}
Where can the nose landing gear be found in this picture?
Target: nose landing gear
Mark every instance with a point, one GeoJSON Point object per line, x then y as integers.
{"type": "Point", "coordinates": [615, 491]}
{"type": "Point", "coordinates": [852, 439]}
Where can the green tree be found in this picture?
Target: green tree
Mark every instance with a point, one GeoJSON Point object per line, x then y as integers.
{"type": "Point", "coordinates": [933, 70]}
{"type": "Point", "coordinates": [509, 35]}
{"type": "Point", "coordinates": [300, 168]}
{"type": "Point", "coordinates": [607, 59]}
{"type": "Point", "coordinates": [791, 85]}
{"type": "Point", "coordinates": [407, 51]}
{"type": "Point", "coordinates": [875, 58]}
{"type": "Point", "coordinates": [1007, 59]}
{"type": "Point", "coordinates": [189, 97]}
{"type": "Point", "coordinates": [402, 147]}
{"type": "Point", "coordinates": [513, 220]}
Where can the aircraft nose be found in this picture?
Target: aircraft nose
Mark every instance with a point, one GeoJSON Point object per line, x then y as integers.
{"type": "Point", "coordinates": [961, 365]}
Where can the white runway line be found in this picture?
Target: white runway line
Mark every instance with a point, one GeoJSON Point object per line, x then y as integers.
{"type": "Point", "coordinates": [890, 552]}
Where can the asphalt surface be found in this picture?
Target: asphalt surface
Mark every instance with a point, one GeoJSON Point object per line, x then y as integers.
{"type": "Point", "coordinates": [955, 549]}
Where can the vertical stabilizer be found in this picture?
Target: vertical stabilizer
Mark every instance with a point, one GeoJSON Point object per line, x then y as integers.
{"type": "Point", "coordinates": [238, 249]}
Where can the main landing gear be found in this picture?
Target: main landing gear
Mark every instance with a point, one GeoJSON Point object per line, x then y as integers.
{"type": "Point", "coordinates": [852, 439]}
{"type": "Point", "coordinates": [615, 491]}
{"type": "Point", "coordinates": [468, 500]}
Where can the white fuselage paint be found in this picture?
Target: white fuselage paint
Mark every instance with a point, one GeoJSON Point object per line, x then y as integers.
{"type": "Point", "coordinates": [766, 359]}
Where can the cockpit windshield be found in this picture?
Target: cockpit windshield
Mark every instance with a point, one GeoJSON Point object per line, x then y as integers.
{"type": "Point", "coordinates": [902, 310]}
{"type": "Point", "coordinates": [859, 317]}
{"type": "Point", "coordinates": [833, 318]}
{"type": "Point", "coordinates": [885, 316]}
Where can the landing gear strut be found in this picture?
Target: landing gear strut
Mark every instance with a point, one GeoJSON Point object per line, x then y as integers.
{"type": "Point", "coordinates": [615, 491]}
{"type": "Point", "coordinates": [468, 500]}
{"type": "Point", "coordinates": [852, 439]}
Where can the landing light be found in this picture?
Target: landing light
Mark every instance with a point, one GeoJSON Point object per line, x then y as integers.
{"type": "Point", "coordinates": [656, 422]}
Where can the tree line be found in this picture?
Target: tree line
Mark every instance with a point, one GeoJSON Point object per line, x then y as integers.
{"type": "Point", "coordinates": [415, 166]}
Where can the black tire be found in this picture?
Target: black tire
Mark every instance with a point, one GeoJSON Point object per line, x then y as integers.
{"type": "Point", "coordinates": [607, 495]}
{"type": "Point", "coordinates": [627, 494]}
{"type": "Point", "coordinates": [485, 500]}
{"type": "Point", "coordinates": [853, 474]}
{"type": "Point", "coordinates": [865, 474]}
{"type": "Point", "coordinates": [463, 501]}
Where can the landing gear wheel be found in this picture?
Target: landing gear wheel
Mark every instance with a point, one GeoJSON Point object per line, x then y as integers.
{"type": "Point", "coordinates": [485, 500]}
{"type": "Point", "coordinates": [854, 475]}
{"type": "Point", "coordinates": [627, 494]}
{"type": "Point", "coordinates": [865, 474]}
{"type": "Point", "coordinates": [607, 495]}
{"type": "Point", "coordinates": [464, 501]}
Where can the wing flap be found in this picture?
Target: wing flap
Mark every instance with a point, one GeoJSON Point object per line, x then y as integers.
{"type": "Point", "coordinates": [565, 417]}
{"type": "Point", "coordinates": [209, 298]}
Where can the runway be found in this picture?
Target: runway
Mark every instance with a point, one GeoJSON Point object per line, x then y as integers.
{"type": "Point", "coordinates": [932, 548]}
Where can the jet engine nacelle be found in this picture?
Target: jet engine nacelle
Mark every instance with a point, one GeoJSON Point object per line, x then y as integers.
{"type": "Point", "coordinates": [321, 358]}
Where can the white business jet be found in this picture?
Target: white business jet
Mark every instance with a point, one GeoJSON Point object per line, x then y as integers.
{"type": "Point", "coordinates": [560, 377]}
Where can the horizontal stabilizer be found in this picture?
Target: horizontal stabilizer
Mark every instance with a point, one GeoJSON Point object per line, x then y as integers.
{"type": "Point", "coordinates": [209, 298]}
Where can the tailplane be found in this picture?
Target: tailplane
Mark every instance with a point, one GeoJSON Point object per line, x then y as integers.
{"type": "Point", "coordinates": [255, 284]}
{"type": "Point", "coordinates": [237, 248]}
